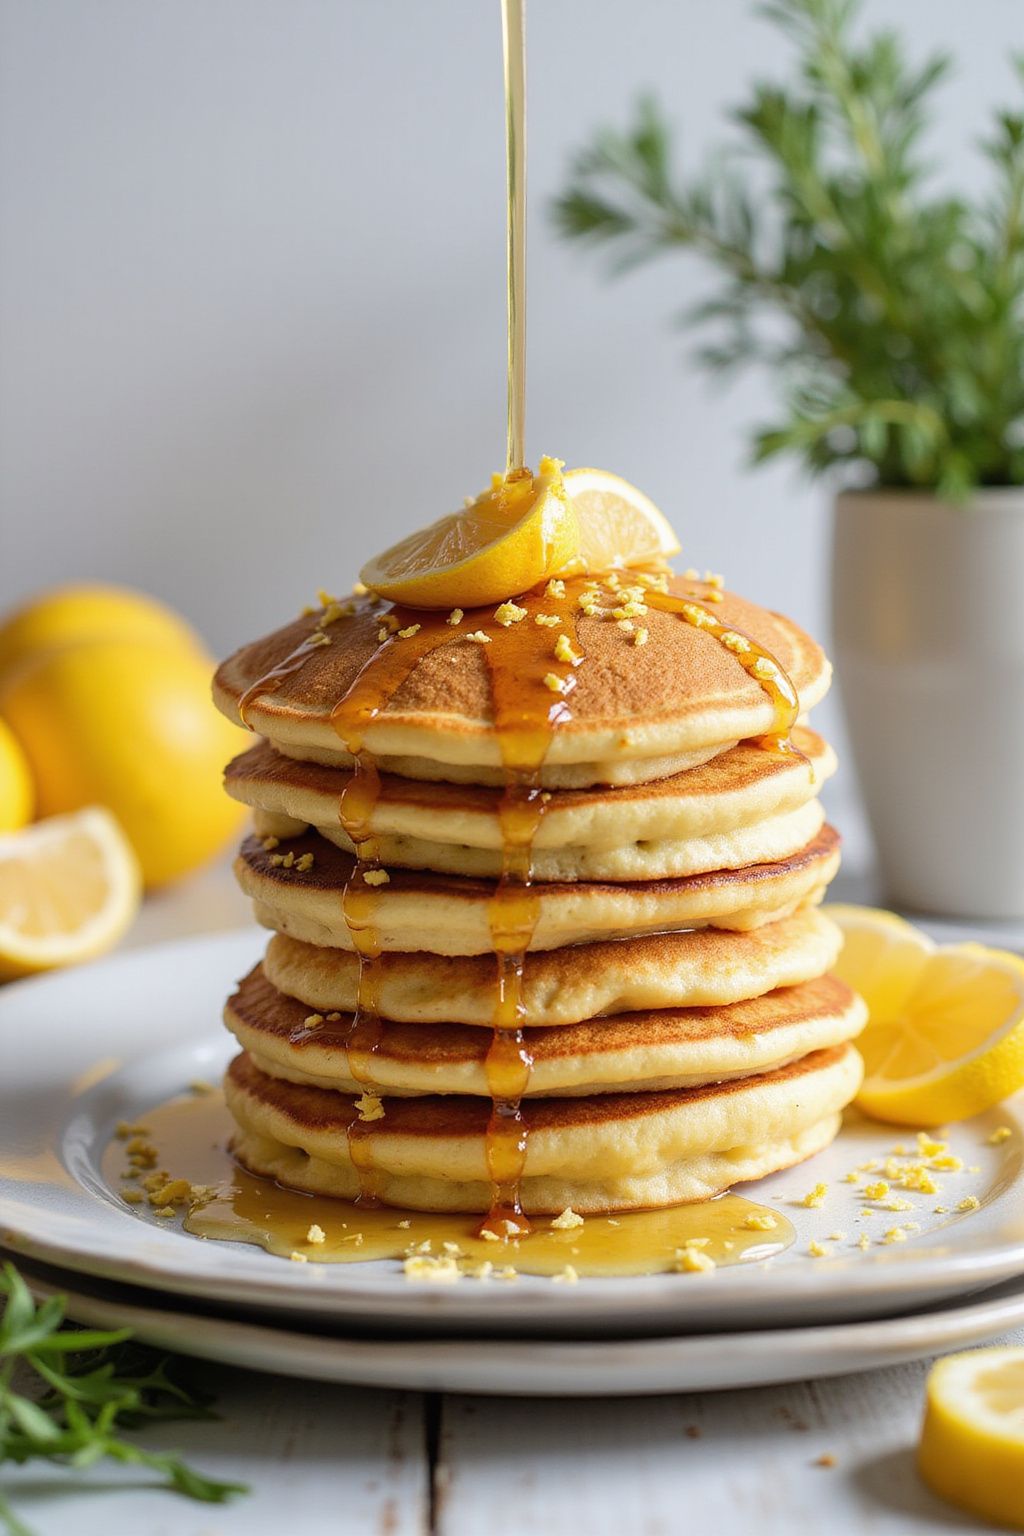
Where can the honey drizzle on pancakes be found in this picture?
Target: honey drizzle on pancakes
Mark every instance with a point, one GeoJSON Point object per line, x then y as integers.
{"type": "Point", "coordinates": [527, 709]}
{"type": "Point", "coordinates": [765, 669]}
{"type": "Point", "coordinates": [376, 683]}
{"type": "Point", "coordinates": [526, 713]}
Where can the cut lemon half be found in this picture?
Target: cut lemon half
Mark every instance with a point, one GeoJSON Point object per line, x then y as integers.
{"type": "Point", "coordinates": [69, 888]}
{"type": "Point", "coordinates": [945, 1033]}
{"type": "Point", "coordinates": [513, 536]}
{"type": "Point", "coordinates": [972, 1441]}
{"type": "Point", "coordinates": [619, 525]}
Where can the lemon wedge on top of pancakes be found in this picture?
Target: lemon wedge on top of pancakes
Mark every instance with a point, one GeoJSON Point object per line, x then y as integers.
{"type": "Point", "coordinates": [69, 888]}
{"type": "Point", "coordinates": [619, 525]}
{"type": "Point", "coordinates": [526, 528]}
{"type": "Point", "coordinates": [945, 1032]}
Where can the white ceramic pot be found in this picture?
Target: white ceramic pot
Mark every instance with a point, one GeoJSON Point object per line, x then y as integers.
{"type": "Point", "coordinates": [928, 605]}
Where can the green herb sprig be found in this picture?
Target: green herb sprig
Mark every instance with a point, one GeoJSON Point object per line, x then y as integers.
{"type": "Point", "coordinates": [891, 313]}
{"type": "Point", "coordinates": [93, 1384]}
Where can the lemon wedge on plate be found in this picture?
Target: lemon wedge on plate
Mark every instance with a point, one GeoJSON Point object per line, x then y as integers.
{"type": "Point", "coordinates": [972, 1442]}
{"type": "Point", "coordinates": [945, 1033]}
{"type": "Point", "coordinates": [619, 525]}
{"type": "Point", "coordinates": [513, 536]}
{"type": "Point", "coordinates": [69, 889]}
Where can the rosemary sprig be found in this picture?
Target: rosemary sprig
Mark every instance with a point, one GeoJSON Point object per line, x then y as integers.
{"type": "Point", "coordinates": [890, 311]}
{"type": "Point", "coordinates": [83, 1387]}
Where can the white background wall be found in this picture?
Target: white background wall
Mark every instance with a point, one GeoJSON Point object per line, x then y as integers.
{"type": "Point", "coordinates": [252, 288]}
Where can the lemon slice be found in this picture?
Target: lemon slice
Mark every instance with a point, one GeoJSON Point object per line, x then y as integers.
{"type": "Point", "coordinates": [945, 1032]}
{"type": "Point", "coordinates": [517, 534]}
{"type": "Point", "coordinates": [69, 888]}
{"type": "Point", "coordinates": [619, 525]}
{"type": "Point", "coordinates": [972, 1442]}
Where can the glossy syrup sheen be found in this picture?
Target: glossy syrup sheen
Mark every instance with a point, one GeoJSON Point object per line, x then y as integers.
{"type": "Point", "coordinates": [191, 1135]}
{"type": "Point", "coordinates": [758, 663]}
{"type": "Point", "coordinates": [526, 711]}
{"type": "Point", "coordinates": [397, 657]}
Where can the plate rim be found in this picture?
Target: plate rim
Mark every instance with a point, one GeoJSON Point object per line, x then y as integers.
{"type": "Point", "coordinates": [269, 1346]}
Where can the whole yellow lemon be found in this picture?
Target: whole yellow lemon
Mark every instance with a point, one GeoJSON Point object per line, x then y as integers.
{"type": "Point", "coordinates": [130, 726]}
{"type": "Point", "coordinates": [68, 615]}
{"type": "Point", "coordinates": [16, 792]}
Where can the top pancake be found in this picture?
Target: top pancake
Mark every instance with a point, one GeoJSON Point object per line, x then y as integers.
{"type": "Point", "coordinates": [634, 713]}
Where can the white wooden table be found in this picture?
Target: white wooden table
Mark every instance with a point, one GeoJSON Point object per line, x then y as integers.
{"type": "Point", "coordinates": [340, 1460]}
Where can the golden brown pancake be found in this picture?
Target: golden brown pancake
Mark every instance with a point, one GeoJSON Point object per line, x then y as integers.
{"type": "Point", "coordinates": [635, 712]}
{"type": "Point", "coordinates": [665, 1048]}
{"type": "Point", "coordinates": [607, 1152]}
{"type": "Point", "coordinates": [747, 806]}
{"type": "Point", "coordinates": [448, 915]}
{"type": "Point", "coordinates": [698, 968]}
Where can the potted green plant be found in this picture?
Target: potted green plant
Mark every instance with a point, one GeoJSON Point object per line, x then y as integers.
{"type": "Point", "coordinates": [892, 317]}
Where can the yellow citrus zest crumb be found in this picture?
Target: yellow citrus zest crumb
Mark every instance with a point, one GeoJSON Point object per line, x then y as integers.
{"type": "Point", "coordinates": [370, 1107]}
{"type": "Point", "coordinates": [442, 1270]}
{"type": "Point", "coordinates": [691, 1260]}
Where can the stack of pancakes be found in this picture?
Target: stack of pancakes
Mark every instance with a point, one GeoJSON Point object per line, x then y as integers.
{"type": "Point", "coordinates": [543, 882]}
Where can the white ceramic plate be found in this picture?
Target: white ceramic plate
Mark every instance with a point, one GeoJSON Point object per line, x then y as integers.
{"type": "Point", "coordinates": [545, 1368]}
{"type": "Point", "coordinates": [81, 1051]}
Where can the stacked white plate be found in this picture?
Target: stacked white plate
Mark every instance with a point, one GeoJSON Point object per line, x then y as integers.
{"type": "Point", "coordinates": [83, 1051]}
